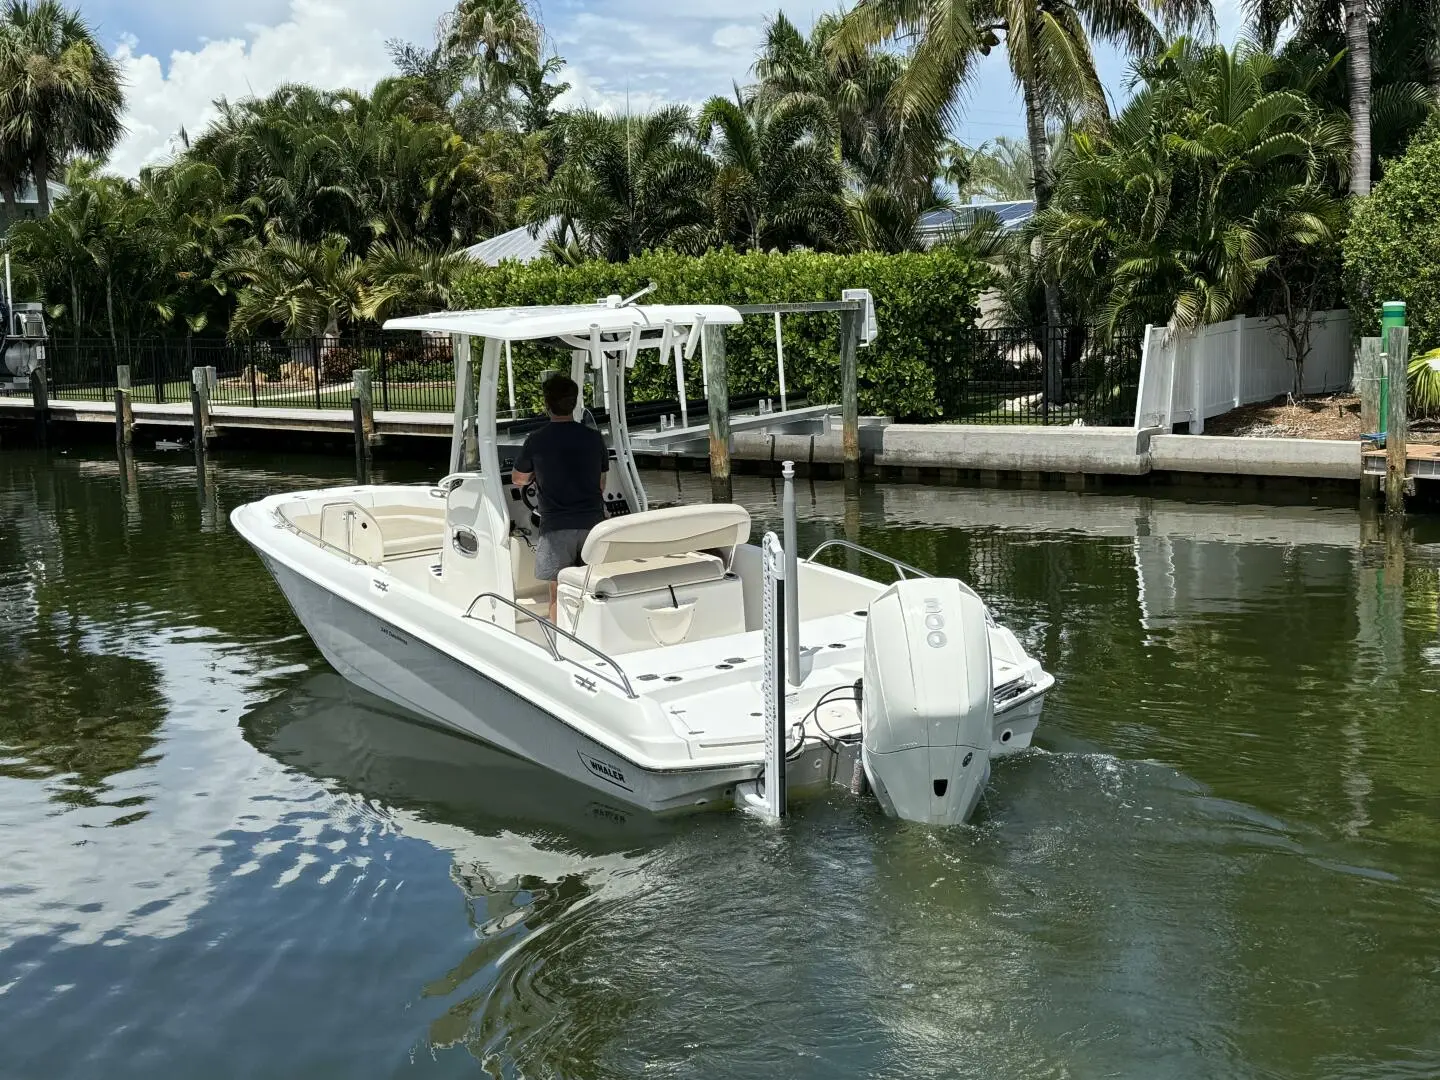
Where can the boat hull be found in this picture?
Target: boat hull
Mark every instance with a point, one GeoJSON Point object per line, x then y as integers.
{"type": "Point", "coordinates": [492, 685]}
{"type": "Point", "coordinates": [374, 656]}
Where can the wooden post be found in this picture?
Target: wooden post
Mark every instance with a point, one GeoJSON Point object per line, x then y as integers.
{"type": "Point", "coordinates": [1397, 357]}
{"type": "Point", "coordinates": [1367, 380]}
{"type": "Point", "coordinates": [364, 390]}
{"type": "Point", "coordinates": [717, 396]}
{"type": "Point", "coordinates": [40, 395]}
{"type": "Point", "coordinates": [124, 414]}
{"type": "Point", "coordinates": [200, 409]}
{"type": "Point", "coordinates": [850, 390]}
{"type": "Point", "coordinates": [362, 446]}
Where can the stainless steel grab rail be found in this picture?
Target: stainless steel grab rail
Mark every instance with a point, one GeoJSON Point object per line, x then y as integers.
{"type": "Point", "coordinates": [902, 568]}
{"type": "Point", "coordinates": [550, 630]}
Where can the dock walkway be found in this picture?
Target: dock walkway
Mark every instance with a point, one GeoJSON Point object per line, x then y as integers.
{"type": "Point", "coordinates": [1422, 461]}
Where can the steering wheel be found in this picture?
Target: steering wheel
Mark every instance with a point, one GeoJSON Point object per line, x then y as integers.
{"type": "Point", "coordinates": [530, 496]}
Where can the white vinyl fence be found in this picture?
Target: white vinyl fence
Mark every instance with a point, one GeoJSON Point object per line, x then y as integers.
{"type": "Point", "coordinates": [1186, 376]}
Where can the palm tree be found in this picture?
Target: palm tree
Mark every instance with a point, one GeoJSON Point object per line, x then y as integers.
{"type": "Point", "coordinates": [495, 32]}
{"type": "Point", "coordinates": [14, 173]}
{"type": "Point", "coordinates": [998, 169]}
{"type": "Point", "coordinates": [1391, 73]}
{"type": "Point", "coordinates": [59, 90]}
{"type": "Point", "coordinates": [628, 184]}
{"type": "Point", "coordinates": [877, 141]}
{"type": "Point", "coordinates": [405, 278]}
{"type": "Point", "coordinates": [1211, 193]}
{"type": "Point", "coordinates": [777, 183]}
{"type": "Point", "coordinates": [306, 289]}
{"type": "Point", "coordinates": [1047, 45]}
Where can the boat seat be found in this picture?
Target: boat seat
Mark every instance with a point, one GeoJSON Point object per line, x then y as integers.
{"type": "Point", "coordinates": [657, 578]}
{"type": "Point", "coordinates": [411, 534]}
{"type": "Point", "coordinates": [625, 577]}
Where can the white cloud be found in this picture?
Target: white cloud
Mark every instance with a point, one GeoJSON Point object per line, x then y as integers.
{"type": "Point", "coordinates": [329, 43]}
{"type": "Point", "coordinates": [736, 37]}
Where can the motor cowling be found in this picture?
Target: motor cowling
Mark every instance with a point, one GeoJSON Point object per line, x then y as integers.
{"type": "Point", "coordinates": [928, 704]}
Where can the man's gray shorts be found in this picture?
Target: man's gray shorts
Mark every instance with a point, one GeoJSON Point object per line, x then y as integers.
{"type": "Point", "coordinates": [557, 550]}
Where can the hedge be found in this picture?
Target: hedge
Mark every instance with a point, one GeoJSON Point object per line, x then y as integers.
{"type": "Point", "coordinates": [1392, 251]}
{"type": "Point", "coordinates": [925, 304]}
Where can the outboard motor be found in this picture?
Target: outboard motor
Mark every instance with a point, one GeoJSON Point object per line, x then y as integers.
{"type": "Point", "coordinates": [927, 707]}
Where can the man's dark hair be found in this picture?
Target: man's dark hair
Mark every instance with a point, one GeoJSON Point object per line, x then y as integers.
{"type": "Point", "coordinates": [560, 393]}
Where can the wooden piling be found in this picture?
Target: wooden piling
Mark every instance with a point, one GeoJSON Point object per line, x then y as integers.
{"type": "Point", "coordinates": [717, 395]}
{"type": "Point", "coordinates": [40, 396]}
{"type": "Point", "coordinates": [1397, 357]}
{"type": "Point", "coordinates": [362, 405]}
{"type": "Point", "coordinates": [850, 326]}
{"type": "Point", "coordinates": [1368, 372]}
{"type": "Point", "coordinates": [124, 414]}
{"type": "Point", "coordinates": [362, 448]}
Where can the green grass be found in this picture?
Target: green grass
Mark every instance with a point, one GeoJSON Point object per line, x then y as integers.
{"type": "Point", "coordinates": [400, 396]}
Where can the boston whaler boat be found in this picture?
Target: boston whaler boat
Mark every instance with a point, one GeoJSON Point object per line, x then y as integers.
{"type": "Point", "coordinates": [673, 677]}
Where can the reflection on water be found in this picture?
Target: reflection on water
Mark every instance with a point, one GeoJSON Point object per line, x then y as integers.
{"type": "Point", "coordinates": [1222, 860]}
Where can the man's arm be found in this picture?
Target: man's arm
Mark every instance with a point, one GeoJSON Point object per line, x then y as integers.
{"type": "Point", "coordinates": [523, 471]}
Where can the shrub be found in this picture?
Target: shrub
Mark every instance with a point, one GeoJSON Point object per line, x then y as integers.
{"type": "Point", "coordinates": [1390, 252]}
{"type": "Point", "coordinates": [925, 304]}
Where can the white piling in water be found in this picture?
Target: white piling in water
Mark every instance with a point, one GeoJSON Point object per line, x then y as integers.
{"type": "Point", "coordinates": [792, 576]}
{"type": "Point", "coordinates": [766, 796]}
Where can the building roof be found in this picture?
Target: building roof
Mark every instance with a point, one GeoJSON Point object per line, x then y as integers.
{"type": "Point", "coordinates": [27, 194]}
{"type": "Point", "coordinates": [534, 323]}
{"type": "Point", "coordinates": [516, 245]}
{"type": "Point", "coordinates": [937, 224]}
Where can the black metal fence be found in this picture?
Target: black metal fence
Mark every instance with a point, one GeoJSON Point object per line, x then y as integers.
{"type": "Point", "coordinates": [408, 372]}
{"type": "Point", "coordinates": [1041, 375]}
{"type": "Point", "coordinates": [994, 376]}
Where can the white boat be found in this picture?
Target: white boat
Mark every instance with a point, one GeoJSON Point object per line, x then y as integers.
{"type": "Point", "coordinates": [654, 685]}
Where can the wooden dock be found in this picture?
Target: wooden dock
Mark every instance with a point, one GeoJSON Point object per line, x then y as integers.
{"type": "Point", "coordinates": [236, 417]}
{"type": "Point", "coordinates": [1422, 461]}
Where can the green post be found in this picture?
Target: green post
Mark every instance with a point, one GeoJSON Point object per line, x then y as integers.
{"type": "Point", "coordinates": [1392, 314]}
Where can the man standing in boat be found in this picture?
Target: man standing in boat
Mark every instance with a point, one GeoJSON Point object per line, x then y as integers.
{"type": "Point", "coordinates": [567, 460]}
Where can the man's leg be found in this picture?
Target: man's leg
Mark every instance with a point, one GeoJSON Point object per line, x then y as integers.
{"type": "Point", "coordinates": [554, 598]}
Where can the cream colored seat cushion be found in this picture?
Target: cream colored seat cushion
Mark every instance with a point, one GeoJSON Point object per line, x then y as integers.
{"type": "Point", "coordinates": [625, 577]}
{"type": "Point", "coordinates": [669, 531]}
{"type": "Point", "coordinates": [411, 534]}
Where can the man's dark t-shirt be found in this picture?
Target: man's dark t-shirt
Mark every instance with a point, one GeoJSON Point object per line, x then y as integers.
{"type": "Point", "coordinates": [568, 460]}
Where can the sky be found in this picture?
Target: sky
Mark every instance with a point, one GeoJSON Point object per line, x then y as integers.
{"type": "Point", "coordinates": [179, 56]}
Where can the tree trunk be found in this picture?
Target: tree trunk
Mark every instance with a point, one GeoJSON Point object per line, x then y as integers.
{"type": "Point", "coordinates": [12, 208]}
{"type": "Point", "coordinates": [1040, 181]}
{"type": "Point", "coordinates": [110, 314]}
{"type": "Point", "coordinates": [1357, 55]}
{"type": "Point", "coordinates": [40, 166]}
{"type": "Point", "coordinates": [75, 310]}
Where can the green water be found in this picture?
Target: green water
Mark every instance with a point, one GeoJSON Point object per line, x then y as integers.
{"type": "Point", "coordinates": [1223, 860]}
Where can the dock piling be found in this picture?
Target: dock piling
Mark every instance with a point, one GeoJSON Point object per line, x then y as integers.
{"type": "Point", "coordinates": [40, 395]}
{"type": "Point", "coordinates": [850, 325]}
{"type": "Point", "coordinates": [362, 448]}
{"type": "Point", "coordinates": [124, 414]}
{"type": "Point", "coordinates": [362, 406]}
{"type": "Point", "coordinates": [1397, 357]}
{"type": "Point", "coordinates": [717, 395]}
{"type": "Point", "coordinates": [1367, 381]}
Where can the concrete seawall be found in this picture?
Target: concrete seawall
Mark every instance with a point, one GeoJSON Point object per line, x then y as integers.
{"type": "Point", "coordinates": [991, 450]}
{"type": "Point", "coordinates": [1098, 450]}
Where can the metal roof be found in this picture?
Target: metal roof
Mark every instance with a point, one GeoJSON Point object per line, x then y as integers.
{"type": "Point", "coordinates": [517, 245]}
{"type": "Point", "coordinates": [935, 224]}
{"type": "Point", "coordinates": [533, 323]}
